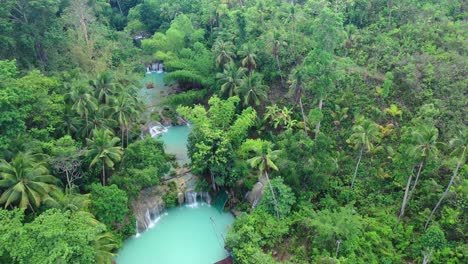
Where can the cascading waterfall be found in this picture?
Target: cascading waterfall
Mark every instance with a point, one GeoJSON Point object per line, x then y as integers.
{"type": "Point", "coordinates": [155, 67]}
{"type": "Point", "coordinates": [191, 199]}
{"type": "Point", "coordinates": [137, 231]}
{"type": "Point", "coordinates": [157, 130]}
{"type": "Point", "coordinates": [206, 197]}
{"type": "Point", "coordinates": [148, 221]}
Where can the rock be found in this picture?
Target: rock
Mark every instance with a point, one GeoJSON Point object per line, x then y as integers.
{"type": "Point", "coordinates": [255, 194]}
{"type": "Point", "coordinates": [180, 198]}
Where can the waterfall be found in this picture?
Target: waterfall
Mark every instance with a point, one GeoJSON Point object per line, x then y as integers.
{"type": "Point", "coordinates": [191, 199]}
{"type": "Point", "coordinates": [160, 68]}
{"type": "Point", "coordinates": [137, 232]}
{"type": "Point", "coordinates": [157, 130]}
{"type": "Point", "coordinates": [206, 197]}
{"type": "Point", "coordinates": [148, 70]}
{"type": "Point", "coordinates": [148, 221]}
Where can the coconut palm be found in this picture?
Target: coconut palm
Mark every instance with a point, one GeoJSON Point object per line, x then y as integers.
{"type": "Point", "coordinates": [224, 52]}
{"type": "Point", "coordinates": [249, 60]}
{"type": "Point", "coordinates": [365, 134]}
{"type": "Point", "coordinates": [264, 162]}
{"type": "Point", "coordinates": [83, 102]}
{"type": "Point", "coordinates": [99, 119]}
{"type": "Point", "coordinates": [105, 244]}
{"type": "Point", "coordinates": [124, 110]}
{"type": "Point", "coordinates": [297, 90]}
{"type": "Point", "coordinates": [25, 181]}
{"type": "Point", "coordinates": [70, 200]}
{"type": "Point", "coordinates": [102, 149]}
{"type": "Point", "coordinates": [459, 145]}
{"type": "Point", "coordinates": [424, 140]}
{"type": "Point", "coordinates": [276, 43]}
{"type": "Point", "coordinates": [104, 87]}
{"type": "Point", "coordinates": [231, 79]}
{"type": "Point", "coordinates": [253, 90]}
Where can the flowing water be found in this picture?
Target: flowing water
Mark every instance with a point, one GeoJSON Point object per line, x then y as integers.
{"type": "Point", "coordinates": [190, 234]}
{"type": "Point", "coordinates": [175, 142]}
{"type": "Point", "coordinates": [186, 234]}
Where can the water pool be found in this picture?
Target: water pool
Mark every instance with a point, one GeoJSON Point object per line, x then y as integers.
{"type": "Point", "coordinates": [184, 235]}
{"type": "Point", "coordinates": [175, 142]}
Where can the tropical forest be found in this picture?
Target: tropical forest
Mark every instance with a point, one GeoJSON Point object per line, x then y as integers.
{"type": "Point", "coordinates": [233, 131]}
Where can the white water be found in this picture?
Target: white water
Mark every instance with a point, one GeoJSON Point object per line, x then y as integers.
{"type": "Point", "coordinates": [157, 130]}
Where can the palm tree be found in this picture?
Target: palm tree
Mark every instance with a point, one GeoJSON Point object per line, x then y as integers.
{"type": "Point", "coordinates": [104, 87]}
{"type": "Point", "coordinates": [71, 200]}
{"type": "Point", "coordinates": [276, 44]}
{"type": "Point", "coordinates": [249, 58]}
{"type": "Point", "coordinates": [297, 89]}
{"type": "Point", "coordinates": [459, 145]}
{"type": "Point", "coordinates": [102, 148]}
{"type": "Point", "coordinates": [223, 51]}
{"type": "Point", "coordinates": [253, 90]}
{"type": "Point", "coordinates": [231, 79]}
{"type": "Point", "coordinates": [125, 109]}
{"type": "Point", "coordinates": [424, 139]}
{"type": "Point", "coordinates": [264, 162]}
{"type": "Point", "coordinates": [365, 134]}
{"type": "Point", "coordinates": [99, 119]}
{"type": "Point", "coordinates": [26, 181]}
{"type": "Point", "coordinates": [83, 101]}
{"type": "Point", "coordinates": [104, 244]}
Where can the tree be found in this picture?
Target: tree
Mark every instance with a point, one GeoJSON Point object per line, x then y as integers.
{"type": "Point", "coordinates": [365, 134]}
{"type": "Point", "coordinates": [83, 102]}
{"type": "Point", "coordinates": [102, 149]}
{"type": "Point", "coordinates": [296, 89]}
{"type": "Point", "coordinates": [264, 162]}
{"type": "Point", "coordinates": [285, 196]}
{"type": "Point", "coordinates": [109, 205]}
{"type": "Point", "coordinates": [320, 63]}
{"type": "Point", "coordinates": [424, 142]}
{"type": "Point", "coordinates": [104, 87]}
{"type": "Point", "coordinates": [60, 237]}
{"type": "Point", "coordinates": [253, 90]}
{"type": "Point", "coordinates": [249, 60]}
{"type": "Point", "coordinates": [216, 133]}
{"type": "Point", "coordinates": [125, 109]}
{"type": "Point", "coordinates": [66, 158]}
{"type": "Point", "coordinates": [231, 79]}
{"type": "Point", "coordinates": [26, 181]}
{"type": "Point", "coordinates": [224, 52]}
{"type": "Point", "coordinates": [459, 145]}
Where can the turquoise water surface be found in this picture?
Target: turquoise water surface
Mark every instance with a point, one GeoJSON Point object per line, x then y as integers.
{"type": "Point", "coordinates": [185, 235]}
{"type": "Point", "coordinates": [175, 142]}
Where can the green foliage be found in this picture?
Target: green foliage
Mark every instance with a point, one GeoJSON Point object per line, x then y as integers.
{"type": "Point", "coordinates": [170, 198]}
{"type": "Point", "coordinates": [216, 132]}
{"type": "Point", "coordinates": [110, 206]}
{"type": "Point", "coordinates": [25, 181]}
{"type": "Point", "coordinates": [143, 165]}
{"type": "Point", "coordinates": [285, 198]}
{"type": "Point", "coordinates": [55, 237]}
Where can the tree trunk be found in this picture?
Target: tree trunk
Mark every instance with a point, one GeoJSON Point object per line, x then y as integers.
{"type": "Point", "coordinates": [357, 166]}
{"type": "Point", "coordinates": [279, 69]}
{"type": "Point", "coordinates": [317, 127]}
{"type": "Point", "coordinates": [103, 174]}
{"type": "Point", "coordinates": [303, 115]}
{"type": "Point", "coordinates": [122, 135]}
{"type": "Point", "coordinates": [405, 197]}
{"type": "Point", "coordinates": [213, 183]}
{"type": "Point", "coordinates": [452, 179]}
{"type": "Point", "coordinates": [417, 175]}
{"type": "Point", "coordinates": [273, 195]}
{"type": "Point", "coordinates": [120, 8]}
